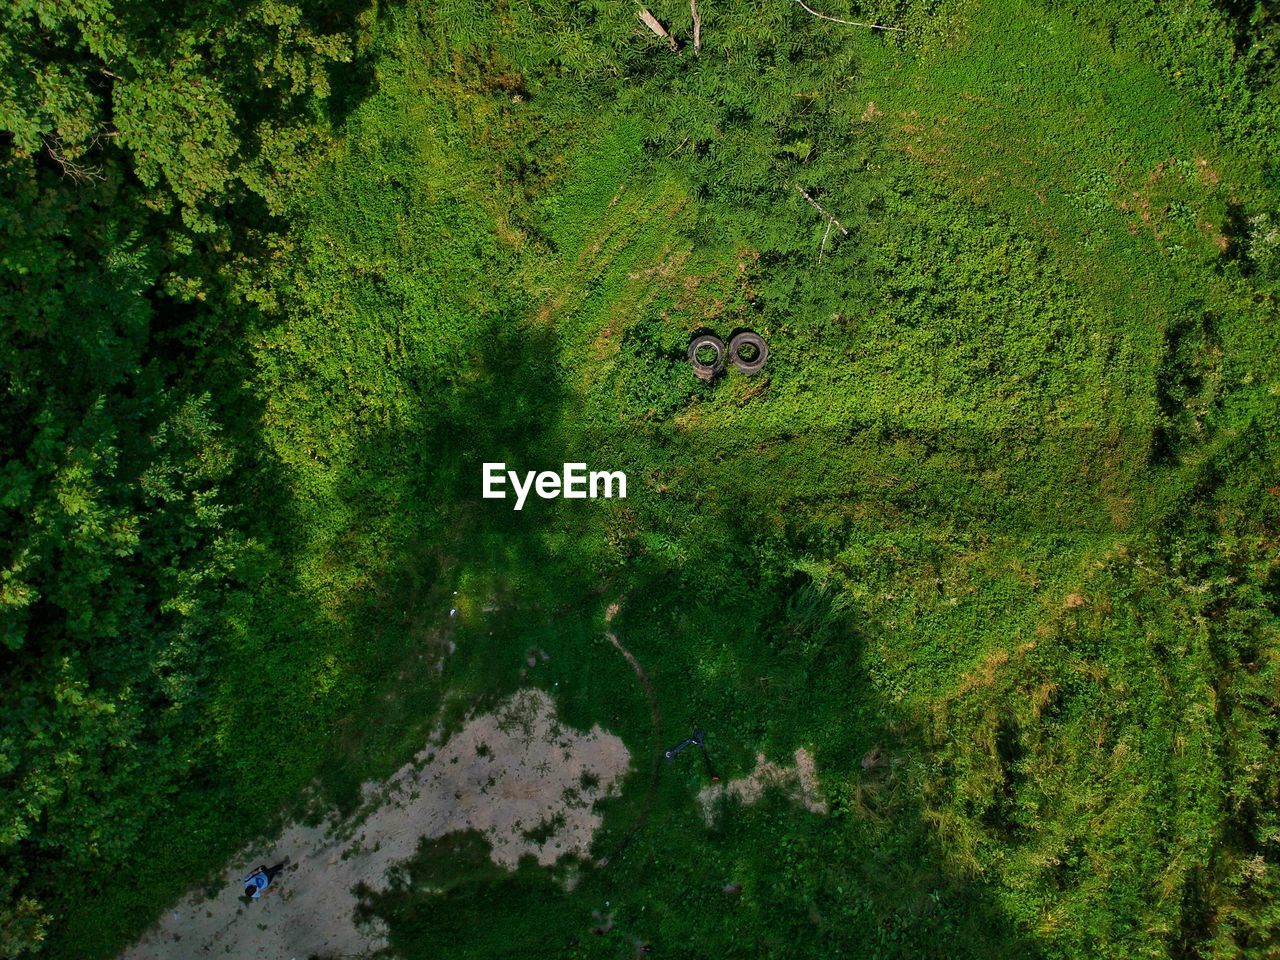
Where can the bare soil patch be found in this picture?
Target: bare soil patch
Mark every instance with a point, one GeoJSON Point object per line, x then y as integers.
{"type": "Point", "coordinates": [525, 782]}
{"type": "Point", "coordinates": [800, 782]}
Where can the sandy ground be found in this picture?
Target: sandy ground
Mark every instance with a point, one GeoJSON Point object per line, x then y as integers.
{"type": "Point", "coordinates": [504, 774]}
{"type": "Point", "coordinates": [799, 781]}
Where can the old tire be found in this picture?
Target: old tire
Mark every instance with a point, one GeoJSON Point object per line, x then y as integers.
{"type": "Point", "coordinates": [705, 371]}
{"type": "Point", "coordinates": [748, 339]}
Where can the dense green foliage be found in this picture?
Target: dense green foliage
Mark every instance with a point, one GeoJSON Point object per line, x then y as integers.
{"type": "Point", "coordinates": [142, 153]}
{"type": "Point", "coordinates": [1003, 508]}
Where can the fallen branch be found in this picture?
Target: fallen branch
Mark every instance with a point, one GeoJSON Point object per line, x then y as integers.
{"type": "Point", "coordinates": [77, 171]}
{"type": "Point", "coordinates": [697, 26]}
{"type": "Point", "coordinates": [658, 29]}
{"type": "Point", "coordinates": [848, 23]}
{"type": "Point", "coordinates": [831, 221]}
{"type": "Point", "coordinates": [822, 210]}
{"type": "Point", "coordinates": [823, 249]}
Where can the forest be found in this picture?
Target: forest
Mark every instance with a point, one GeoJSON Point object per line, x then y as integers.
{"type": "Point", "coordinates": [995, 534]}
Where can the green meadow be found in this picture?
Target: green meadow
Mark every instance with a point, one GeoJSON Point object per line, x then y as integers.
{"type": "Point", "coordinates": [994, 534]}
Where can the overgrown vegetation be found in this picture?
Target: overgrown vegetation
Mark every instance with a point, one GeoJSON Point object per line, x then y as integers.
{"type": "Point", "coordinates": [994, 533]}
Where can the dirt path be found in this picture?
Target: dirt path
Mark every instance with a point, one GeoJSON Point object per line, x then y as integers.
{"type": "Point", "coordinates": [512, 774]}
{"type": "Point", "coordinates": [655, 716]}
{"type": "Point", "coordinates": [645, 682]}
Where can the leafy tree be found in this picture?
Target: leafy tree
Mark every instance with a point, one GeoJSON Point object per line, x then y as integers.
{"type": "Point", "coordinates": [143, 150]}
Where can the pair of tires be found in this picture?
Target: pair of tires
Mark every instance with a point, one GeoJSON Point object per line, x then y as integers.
{"type": "Point", "coordinates": [747, 352]}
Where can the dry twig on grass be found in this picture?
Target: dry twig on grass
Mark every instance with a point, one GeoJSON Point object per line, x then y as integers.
{"type": "Point", "coordinates": [848, 23]}
{"type": "Point", "coordinates": [831, 220]}
{"type": "Point", "coordinates": [658, 29]}
{"type": "Point", "coordinates": [823, 249]}
{"type": "Point", "coordinates": [697, 26]}
{"type": "Point", "coordinates": [822, 210]}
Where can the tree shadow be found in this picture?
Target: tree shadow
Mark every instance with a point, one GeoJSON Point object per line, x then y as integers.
{"type": "Point", "coordinates": [352, 82]}
{"type": "Point", "coordinates": [762, 663]}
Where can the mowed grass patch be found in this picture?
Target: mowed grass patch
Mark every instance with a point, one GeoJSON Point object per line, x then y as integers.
{"type": "Point", "coordinates": [1140, 204]}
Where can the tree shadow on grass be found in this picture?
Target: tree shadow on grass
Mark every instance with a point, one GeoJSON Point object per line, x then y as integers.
{"type": "Point", "coordinates": [761, 663]}
{"type": "Point", "coordinates": [354, 689]}
{"type": "Point", "coordinates": [337, 675]}
{"type": "Point", "coordinates": [867, 879]}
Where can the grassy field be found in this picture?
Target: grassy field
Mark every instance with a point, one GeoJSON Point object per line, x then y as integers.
{"type": "Point", "coordinates": [1002, 504]}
